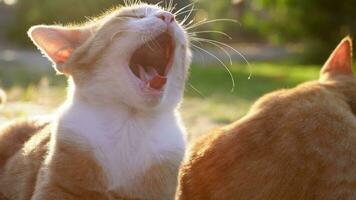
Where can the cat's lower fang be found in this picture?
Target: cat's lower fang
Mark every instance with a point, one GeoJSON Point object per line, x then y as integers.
{"type": "Point", "coordinates": [151, 78]}
{"type": "Point", "coordinates": [147, 75]}
{"type": "Point", "coordinates": [141, 72]}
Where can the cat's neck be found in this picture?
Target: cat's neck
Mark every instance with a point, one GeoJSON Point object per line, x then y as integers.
{"type": "Point", "coordinates": [90, 117]}
{"type": "Point", "coordinates": [125, 142]}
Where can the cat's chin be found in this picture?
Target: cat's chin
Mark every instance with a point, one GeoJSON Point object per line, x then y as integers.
{"type": "Point", "coordinates": [151, 92]}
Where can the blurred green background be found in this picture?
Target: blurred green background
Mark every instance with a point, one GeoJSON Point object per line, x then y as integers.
{"type": "Point", "coordinates": [285, 42]}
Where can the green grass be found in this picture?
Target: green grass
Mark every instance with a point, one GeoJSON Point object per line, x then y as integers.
{"type": "Point", "coordinates": [210, 104]}
{"type": "Point", "coordinates": [19, 75]}
{"type": "Point", "coordinates": [214, 80]}
{"type": "Point", "coordinates": [215, 104]}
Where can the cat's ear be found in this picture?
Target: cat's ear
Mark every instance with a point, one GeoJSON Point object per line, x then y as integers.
{"type": "Point", "coordinates": [340, 61]}
{"type": "Point", "coordinates": [57, 43]}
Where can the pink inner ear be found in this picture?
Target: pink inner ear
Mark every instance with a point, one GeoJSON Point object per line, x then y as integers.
{"type": "Point", "coordinates": [58, 42]}
{"type": "Point", "coordinates": [340, 60]}
{"type": "Point", "coordinates": [62, 55]}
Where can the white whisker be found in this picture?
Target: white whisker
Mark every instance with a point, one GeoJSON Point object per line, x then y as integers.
{"type": "Point", "coordinates": [165, 4]}
{"type": "Point", "coordinates": [170, 5]}
{"type": "Point", "coordinates": [205, 21]}
{"type": "Point", "coordinates": [189, 23]}
{"type": "Point", "coordinates": [216, 45]}
{"type": "Point", "coordinates": [187, 17]}
{"type": "Point", "coordinates": [201, 21]}
{"type": "Point", "coordinates": [125, 2]}
{"type": "Point", "coordinates": [196, 90]}
{"type": "Point", "coordinates": [159, 3]}
{"type": "Point", "coordinates": [173, 8]}
{"type": "Point", "coordinates": [233, 49]}
{"type": "Point", "coordinates": [188, 11]}
{"type": "Point", "coordinates": [221, 62]}
{"type": "Point", "coordinates": [218, 32]}
{"type": "Point", "coordinates": [183, 8]}
{"type": "Point", "coordinates": [201, 56]}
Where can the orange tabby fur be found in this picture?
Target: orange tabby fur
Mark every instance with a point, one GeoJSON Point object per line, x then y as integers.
{"type": "Point", "coordinates": [26, 145]}
{"type": "Point", "coordinates": [293, 144]}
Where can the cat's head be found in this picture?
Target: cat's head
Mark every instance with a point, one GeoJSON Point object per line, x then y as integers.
{"type": "Point", "coordinates": [136, 55]}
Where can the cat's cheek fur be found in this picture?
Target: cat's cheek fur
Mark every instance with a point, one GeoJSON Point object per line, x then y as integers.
{"type": "Point", "coordinates": [176, 85]}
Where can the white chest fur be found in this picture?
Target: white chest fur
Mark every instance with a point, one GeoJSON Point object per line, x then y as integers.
{"type": "Point", "coordinates": [125, 143]}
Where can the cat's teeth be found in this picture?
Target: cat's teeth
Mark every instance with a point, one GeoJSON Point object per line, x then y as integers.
{"type": "Point", "coordinates": [147, 75]}
{"type": "Point", "coordinates": [142, 73]}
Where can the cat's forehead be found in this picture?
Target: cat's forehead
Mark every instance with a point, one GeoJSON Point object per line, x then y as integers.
{"type": "Point", "coordinates": [140, 9]}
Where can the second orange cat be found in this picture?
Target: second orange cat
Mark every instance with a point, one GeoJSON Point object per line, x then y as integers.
{"type": "Point", "coordinates": [293, 144]}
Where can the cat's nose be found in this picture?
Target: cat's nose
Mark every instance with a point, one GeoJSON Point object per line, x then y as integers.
{"type": "Point", "coordinates": [166, 17]}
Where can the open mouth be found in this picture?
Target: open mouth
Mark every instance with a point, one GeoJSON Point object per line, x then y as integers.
{"type": "Point", "coordinates": [152, 61]}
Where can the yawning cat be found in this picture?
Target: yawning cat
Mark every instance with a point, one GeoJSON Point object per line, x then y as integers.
{"type": "Point", "coordinates": [293, 144]}
{"type": "Point", "coordinates": [118, 135]}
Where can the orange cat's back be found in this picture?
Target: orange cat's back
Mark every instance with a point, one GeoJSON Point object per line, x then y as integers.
{"type": "Point", "coordinates": [293, 144]}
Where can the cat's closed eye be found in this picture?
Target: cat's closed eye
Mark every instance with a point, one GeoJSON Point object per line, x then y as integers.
{"type": "Point", "coordinates": [133, 16]}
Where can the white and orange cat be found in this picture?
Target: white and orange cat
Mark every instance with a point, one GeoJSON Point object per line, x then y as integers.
{"type": "Point", "coordinates": [118, 135]}
{"type": "Point", "coordinates": [295, 144]}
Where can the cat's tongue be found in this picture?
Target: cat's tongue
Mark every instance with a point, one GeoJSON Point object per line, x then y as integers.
{"type": "Point", "coordinates": [152, 78]}
{"type": "Point", "coordinates": [157, 82]}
